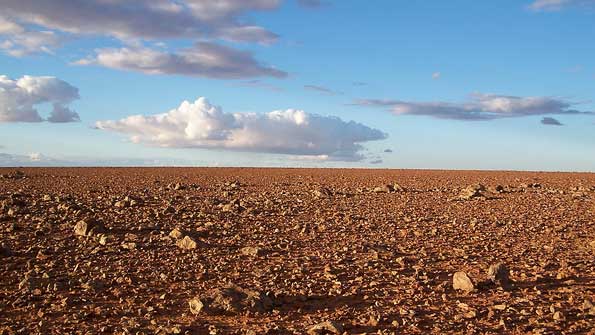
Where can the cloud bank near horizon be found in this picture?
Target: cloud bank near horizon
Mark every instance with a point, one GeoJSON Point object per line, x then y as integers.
{"type": "Point", "coordinates": [480, 107]}
{"type": "Point", "coordinates": [291, 132]}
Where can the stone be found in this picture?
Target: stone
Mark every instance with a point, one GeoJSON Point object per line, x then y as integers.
{"type": "Point", "coordinates": [196, 306]}
{"type": "Point", "coordinates": [461, 281]}
{"type": "Point", "coordinates": [384, 189]}
{"type": "Point", "coordinates": [88, 228]}
{"type": "Point", "coordinates": [322, 192]}
{"type": "Point", "coordinates": [251, 251]}
{"type": "Point", "coordinates": [499, 275]}
{"type": "Point", "coordinates": [176, 233]}
{"type": "Point", "coordinates": [498, 189]}
{"type": "Point", "coordinates": [176, 186]}
{"type": "Point", "coordinates": [235, 299]}
{"type": "Point", "coordinates": [32, 283]}
{"type": "Point", "coordinates": [473, 191]}
{"type": "Point", "coordinates": [325, 327]}
{"type": "Point", "coordinates": [122, 204]}
{"type": "Point", "coordinates": [103, 239]}
{"type": "Point", "coordinates": [398, 188]}
{"type": "Point", "coordinates": [128, 245]}
{"type": "Point", "coordinates": [187, 243]}
{"type": "Point", "coordinates": [5, 251]}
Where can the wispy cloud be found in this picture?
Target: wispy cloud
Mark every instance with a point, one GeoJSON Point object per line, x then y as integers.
{"type": "Point", "coordinates": [320, 89]}
{"type": "Point", "coordinates": [257, 83]}
{"type": "Point", "coordinates": [575, 69]}
{"type": "Point", "coordinates": [19, 98]}
{"type": "Point", "coordinates": [551, 5]}
{"type": "Point", "coordinates": [481, 107]}
{"type": "Point", "coordinates": [550, 121]}
{"type": "Point", "coordinates": [436, 75]}
{"type": "Point", "coordinates": [292, 132]}
{"type": "Point", "coordinates": [312, 4]}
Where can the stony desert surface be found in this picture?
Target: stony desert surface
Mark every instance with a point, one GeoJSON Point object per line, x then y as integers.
{"type": "Point", "coordinates": [295, 251]}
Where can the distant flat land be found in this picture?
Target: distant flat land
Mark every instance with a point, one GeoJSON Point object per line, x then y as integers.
{"type": "Point", "coordinates": [279, 251]}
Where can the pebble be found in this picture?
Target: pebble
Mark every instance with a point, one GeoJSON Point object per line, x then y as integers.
{"type": "Point", "coordinates": [461, 281]}
{"type": "Point", "coordinates": [187, 243]}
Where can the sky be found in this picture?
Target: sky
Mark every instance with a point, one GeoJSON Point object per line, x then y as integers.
{"type": "Point", "coordinates": [496, 85]}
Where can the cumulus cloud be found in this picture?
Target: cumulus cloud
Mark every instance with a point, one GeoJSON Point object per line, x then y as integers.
{"type": "Point", "coordinates": [388, 151]}
{"type": "Point", "coordinates": [320, 89]}
{"type": "Point", "coordinates": [481, 107]}
{"type": "Point", "coordinates": [293, 132]}
{"type": "Point", "coordinates": [19, 98]}
{"type": "Point", "coordinates": [550, 121]}
{"type": "Point", "coordinates": [63, 114]}
{"type": "Point", "coordinates": [548, 5]}
{"type": "Point", "coordinates": [204, 59]}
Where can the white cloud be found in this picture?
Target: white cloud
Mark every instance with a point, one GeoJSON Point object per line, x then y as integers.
{"type": "Point", "coordinates": [19, 98]}
{"type": "Point", "coordinates": [9, 27]}
{"type": "Point", "coordinates": [436, 75]}
{"type": "Point", "coordinates": [29, 42]}
{"type": "Point", "coordinates": [548, 5]}
{"type": "Point", "coordinates": [62, 114]}
{"type": "Point", "coordinates": [480, 107]}
{"type": "Point", "coordinates": [17, 41]}
{"type": "Point", "coordinates": [292, 132]}
{"type": "Point", "coordinates": [35, 156]}
{"type": "Point", "coordinates": [202, 60]}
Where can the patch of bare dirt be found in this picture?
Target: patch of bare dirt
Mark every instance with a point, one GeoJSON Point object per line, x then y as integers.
{"type": "Point", "coordinates": [295, 251]}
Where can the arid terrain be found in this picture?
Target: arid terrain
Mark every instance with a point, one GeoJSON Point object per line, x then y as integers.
{"type": "Point", "coordinates": [295, 251]}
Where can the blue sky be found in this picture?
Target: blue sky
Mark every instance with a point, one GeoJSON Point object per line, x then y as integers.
{"type": "Point", "coordinates": [446, 85]}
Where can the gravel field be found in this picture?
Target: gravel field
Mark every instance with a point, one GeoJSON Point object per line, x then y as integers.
{"type": "Point", "coordinates": [295, 251]}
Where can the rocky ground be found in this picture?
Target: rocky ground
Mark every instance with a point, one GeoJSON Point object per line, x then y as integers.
{"type": "Point", "coordinates": [295, 251]}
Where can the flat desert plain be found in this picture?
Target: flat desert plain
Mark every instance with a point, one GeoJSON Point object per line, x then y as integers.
{"type": "Point", "coordinates": [295, 251]}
